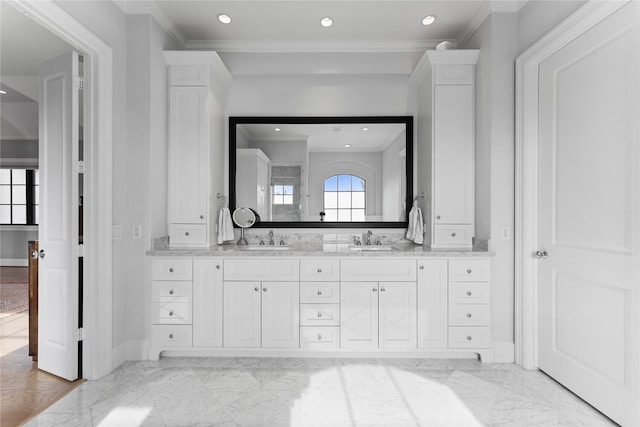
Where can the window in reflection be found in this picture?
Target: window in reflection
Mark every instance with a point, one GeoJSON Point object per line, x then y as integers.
{"type": "Point", "coordinates": [344, 198]}
{"type": "Point", "coordinates": [283, 194]}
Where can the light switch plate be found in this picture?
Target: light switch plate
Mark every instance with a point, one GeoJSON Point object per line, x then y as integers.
{"type": "Point", "coordinates": [116, 232]}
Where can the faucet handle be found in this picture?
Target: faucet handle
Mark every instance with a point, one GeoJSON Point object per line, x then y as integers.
{"type": "Point", "coordinates": [282, 242]}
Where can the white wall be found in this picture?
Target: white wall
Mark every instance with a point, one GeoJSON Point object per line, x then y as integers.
{"type": "Point", "coordinates": [19, 120]}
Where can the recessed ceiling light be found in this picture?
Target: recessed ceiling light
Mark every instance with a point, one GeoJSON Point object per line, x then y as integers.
{"type": "Point", "coordinates": [428, 20]}
{"type": "Point", "coordinates": [364, 129]}
{"type": "Point", "coordinates": [3, 92]}
{"type": "Point", "coordinates": [326, 22]}
{"type": "Point", "coordinates": [277, 129]}
{"type": "Point", "coordinates": [347, 145]}
{"type": "Point", "coordinates": [224, 18]}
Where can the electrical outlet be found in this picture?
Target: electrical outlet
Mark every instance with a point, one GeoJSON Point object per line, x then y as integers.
{"type": "Point", "coordinates": [505, 232]}
{"type": "Point", "coordinates": [137, 231]}
{"type": "Point", "coordinates": [116, 232]}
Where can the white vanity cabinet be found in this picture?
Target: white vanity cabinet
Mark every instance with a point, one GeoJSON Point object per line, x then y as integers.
{"type": "Point", "coordinates": [198, 88]}
{"type": "Point", "coordinates": [432, 304]}
{"type": "Point", "coordinates": [261, 303]}
{"type": "Point", "coordinates": [207, 302]}
{"type": "Point", "coordinates": [378, 313]}
{"type": "Point", "coordinates": [452, 144]}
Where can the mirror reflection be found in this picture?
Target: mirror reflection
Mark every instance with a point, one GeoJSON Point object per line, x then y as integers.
{"type": "Point", "coordinates": [322, 171]}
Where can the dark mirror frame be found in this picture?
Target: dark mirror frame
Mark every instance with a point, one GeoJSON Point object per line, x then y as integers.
{"type": "Point", "coordinates": [406, 120]}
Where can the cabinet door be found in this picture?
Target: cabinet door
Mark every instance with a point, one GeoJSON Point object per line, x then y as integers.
{"type": "Point", "coordinates": [432, 304]}
{"type": "Point", "coordinates": [241, 314]}
{"type": "Point", "coordinates": [207, 303]}
{"type": "Point", "coordinates": [397, 311]}
{"type": "Point", "coordinates": [359, 315]}
{"type": "Point", "coordinates": [280, 314]}
{"type": "Point", "coordinates": [188, 155]}
{"type": "Point", "coordinates": [453, 155]}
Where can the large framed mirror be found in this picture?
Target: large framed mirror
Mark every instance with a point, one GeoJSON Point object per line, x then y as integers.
{"type": "Point", "coordinates": [322, 172]}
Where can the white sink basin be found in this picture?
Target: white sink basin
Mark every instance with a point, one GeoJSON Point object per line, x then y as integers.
{"type": "Point", "coordinates": [371, 248]}
{"type": "Point", "coordinates": [268, 248]}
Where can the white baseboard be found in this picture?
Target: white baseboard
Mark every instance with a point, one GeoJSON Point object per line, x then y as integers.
{"type": "Point", "coordinates": [130, 350]}
{"type": "Point", "coordinates": [504, 352]}
{"type": "Point", "coordinates": [16, 262]}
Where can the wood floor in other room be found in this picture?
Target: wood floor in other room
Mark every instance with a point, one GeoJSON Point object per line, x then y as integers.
{"type": "Point", "coordinates": [24, 390]}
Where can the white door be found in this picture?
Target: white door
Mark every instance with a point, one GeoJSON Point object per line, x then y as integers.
{"type": "Point", "coordinates": [397, 315]}
{"type": "Point", "coordinates": [359, 315]}
{"type": "Point", "coordinates": [241, 314]}
{"type": "Point", "coordinates": [281, 314]}
{"type": "Point", "coordinates": [589, 216]}
{"type": "Point", "coordinates": [207, 303]}
{"type": "Point", "coordinates": [58, 270]}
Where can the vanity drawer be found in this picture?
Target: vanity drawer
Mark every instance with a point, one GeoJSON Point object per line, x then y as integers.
{"type": "Point", "coordinates": [176, 313]}
{"type": "Point", "coordinates": [378, 270]}
{"type": "Point", "coordinates": [319, 292]}
{"type": "Point", "coordinates": [171, 269]}
{"type": "Point", "coordinates": [468, 315]}
{"type": "Point", "coordinates": [469, 270]}
{"type": "Point", "coordinates": [325, 338]}
{"type": "Point", "coordinates": [319, 270]}
{"type": "Point", "coordinates": [171, 291]}
{"type": "Point", "coordinates": [453, 235]}
{"type": "Point", "coordinates": [171, 335]}
{"type": "Point", "coordinates": [469, 337]}
{"type": "Point", "coordinates": [320, 314]}
{"type": "Point", "coordinates": [469, 293]}
{"type": "Point", "coordinates": [259, 269]}
{"type": "Point", "coordinates": [187, 234]}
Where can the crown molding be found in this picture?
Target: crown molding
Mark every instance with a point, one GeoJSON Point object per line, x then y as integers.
{"type": "Point", "coordinates": [151, 8]}
{"type": "Point", "coordinates": [487, 8]}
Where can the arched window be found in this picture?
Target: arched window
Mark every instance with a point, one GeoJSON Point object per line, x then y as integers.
{"type": "Point", "coordinates": [344, 198]}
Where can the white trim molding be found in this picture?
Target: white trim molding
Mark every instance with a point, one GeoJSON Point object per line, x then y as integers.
{"type": "Point", "coordinates": [97, 303]}
{"type": "Point", "coordinates": [526, 189]}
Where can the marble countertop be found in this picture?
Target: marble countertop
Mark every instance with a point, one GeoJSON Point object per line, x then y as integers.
{"type": "Point", "coordinates": [319, 249]}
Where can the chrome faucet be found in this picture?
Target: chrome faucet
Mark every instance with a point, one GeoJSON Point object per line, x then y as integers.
{"type": "Point", "coordinates": [271, 242]}
{"type": "Point", "coordinates": [369, 234]}
{"type": "Point", "coordinates": [282, 242]}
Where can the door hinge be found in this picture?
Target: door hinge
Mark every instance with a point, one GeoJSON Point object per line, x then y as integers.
{"type": "Point", "coordinates": [79, 166]}
{"type": "Point", "coordinates": [78, 82]}
{"type": "Point", "coordinates": [78, 251]}
{"type": "Point", "coordinates": [78, 334]}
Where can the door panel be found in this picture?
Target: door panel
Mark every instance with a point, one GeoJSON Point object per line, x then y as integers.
{"type": "Point", "coordinates": [398, 318]}
{"type": "Point", "coordinates": [588, 215]}
{"type": "Point", "coordinates": [58, 229]}
{"type": "Point", "coordinates": [280, 314]}
{"type": "Point", "coordinates": [359, 315]}
{"type": "Point", "coordinates": [241, 314]}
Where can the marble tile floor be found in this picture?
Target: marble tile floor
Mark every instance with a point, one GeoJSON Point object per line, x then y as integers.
{"type": "Point", "coordinates": [320, 392]}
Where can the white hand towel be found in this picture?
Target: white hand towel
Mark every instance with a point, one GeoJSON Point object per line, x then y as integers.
{"type": "Point", "coordinates": [415, 229]}
{"type": "Point", "coordinates": [225, 226]}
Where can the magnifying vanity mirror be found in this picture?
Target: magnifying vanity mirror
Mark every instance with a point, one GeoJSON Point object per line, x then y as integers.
{"type": "Point", "coordinates": [243, 218]}
{"type": "Point", "coordinates": [322, 172]}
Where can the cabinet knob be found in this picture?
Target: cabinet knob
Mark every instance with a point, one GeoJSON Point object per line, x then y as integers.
{"type": "Point", "coordinates": [218, 267]}
{"type": "Point", "coordinates": [422, 267]}
{"type": "Point", "coordinates": [170, 336]}
{"type": "Point", "coordinates": [468, 315]}
{"type": "Point", "coordinates": [319, 337]}
{"type": "Point", "coordinates": [171, 270]}
{"type": "Point", "coordinates": [453, 234]}
{"type": "Point", "coordinates": [469, 271]}
{"type": "Point", "coordinates": [171, 292]}
{"type": "Point", "coordinates": [437, 216]}
{"type": "Point", "coordinates": [468, 337]}
{"type": "Point", "coordinates": [375, 289]}
{"type": "Point", "coordinates": [319, 314]}
{"type": "Point", "coordinates": [319, 270]}
{"type": "Point", "coordinates": [201, 216]}
{"type": "Point", "coordinates": [171, 313]}
{"type": "Point", "coordinates": [264, 289]}
{"type": "Point", "coordinates": [256, 289]}
{"type": "Point", "coordinates": [468, 293]}
{"type": "Point", "coordinates": [382, 289]}
{"type": "Point", "coordinates": [186, 233]}
{"type": "Point", "coordinates": [319, 292]}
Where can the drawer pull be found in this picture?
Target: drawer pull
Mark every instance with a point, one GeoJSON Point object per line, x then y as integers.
{"type": "Point", "coordinates": [171, 270]}
{"type": "Point", "coordinates": [170, 336]}
{"type": "Point", "coordinates": [319, 314]}
{"type": "Point", "coordinates": [319, 337]}
{"type": "Point", "coordinates": [468, 315]}
{"type": "Point", "coordinates": [201, 216]}
{"type": "Point", "coordinates": [319, 270]}
{"type": "Point", "coordinates": [468, 293]}
{"type": "Point", "coordinates": [218, 267]}
{"type": "Point", "coordinates": [375, 289]}
{"type": "Point", "coordinates": [453, 234]}
{"type": "Point", "coordinates": [186, 233]}
{"type": "Point", "coordinates": [319, 292]}
{"type": "Point", "coordinates": [382, 290]}
{"type": "Point", "coordinates": [256, 289]}
{"type": "Point", "coordinates": [469, 271]}
{"type": "Point", "coordinates": [171, 313]}
{"type": "Point", "coordinates": [438, 217]}
{"type": "Point", "coordinates": [264, 289]}
{"type": "Point", "coordinates": [468, 337]}
{"type": "Point", "coordinates": [171, 292]}
{"type": "Point", "coordinates": [422, 267]}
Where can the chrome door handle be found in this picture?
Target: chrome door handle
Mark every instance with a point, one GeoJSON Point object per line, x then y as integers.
{"type": "Point", "coordinates": [41, 254]}
{"type": "Point", "coordinates": [34, 255]}
{"type": "Point", "coordinates": [542, 254]}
